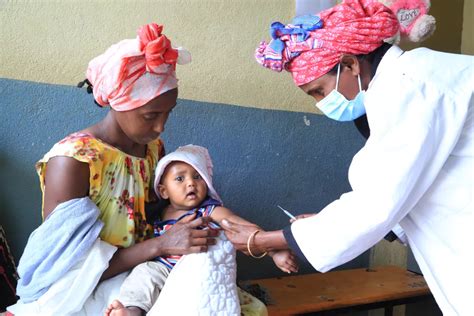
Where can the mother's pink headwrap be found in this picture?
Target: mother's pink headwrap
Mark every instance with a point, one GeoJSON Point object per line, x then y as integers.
{"type": "Point", "coordinates": [134, 71]}
{"type": "Point", "coordinates": [312, 45]}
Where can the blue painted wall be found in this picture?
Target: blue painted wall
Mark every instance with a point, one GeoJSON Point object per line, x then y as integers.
{"type": "Point", "coordinates": [262, 157]}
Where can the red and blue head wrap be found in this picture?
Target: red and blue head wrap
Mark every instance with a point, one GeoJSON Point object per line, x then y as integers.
{"type": "Point", "coordinates": [312, 45]}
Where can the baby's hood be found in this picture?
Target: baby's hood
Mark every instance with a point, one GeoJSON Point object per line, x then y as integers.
{"type": "Point", "coordinates": [196, 156]}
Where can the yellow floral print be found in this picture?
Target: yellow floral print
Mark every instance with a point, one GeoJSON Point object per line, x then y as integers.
{"type": "Point", "coordinates": [119, 184]}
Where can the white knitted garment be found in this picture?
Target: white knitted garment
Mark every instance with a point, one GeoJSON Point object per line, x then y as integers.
{"type": "Point", "coordinates": [202, 284]}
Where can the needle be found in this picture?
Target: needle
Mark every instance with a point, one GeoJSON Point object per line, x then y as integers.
{"type": "Point", "coordinates": [286, 212]}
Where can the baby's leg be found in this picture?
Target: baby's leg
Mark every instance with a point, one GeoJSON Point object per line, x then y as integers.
{"type": "Point", "coordinates": [117, 309]}
{"type": "Point", "coordinates": [143, 285]}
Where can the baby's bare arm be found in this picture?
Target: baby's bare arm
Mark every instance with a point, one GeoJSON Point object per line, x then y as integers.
{"type": "Point", "coordinates": [221, 213]}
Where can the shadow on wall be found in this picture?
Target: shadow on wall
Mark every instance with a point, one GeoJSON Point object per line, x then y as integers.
{"type": "Point", "coordinates": [262, 157]}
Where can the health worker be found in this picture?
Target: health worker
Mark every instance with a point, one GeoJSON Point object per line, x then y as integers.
{"type": "Point", "coordinates": [415, 173]}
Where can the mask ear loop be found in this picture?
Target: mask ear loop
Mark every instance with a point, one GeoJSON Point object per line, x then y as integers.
{"type": "Point", "coordinates": [337, 78]}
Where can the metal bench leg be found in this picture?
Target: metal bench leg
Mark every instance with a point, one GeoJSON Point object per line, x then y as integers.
{"type": "Point", "coordinates": [389, 311]}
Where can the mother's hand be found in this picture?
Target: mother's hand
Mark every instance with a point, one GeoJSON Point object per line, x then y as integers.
{"type": "Point", "coordinates": [184, 237]}
{"type": "Point", "coordinates": [238, 234]}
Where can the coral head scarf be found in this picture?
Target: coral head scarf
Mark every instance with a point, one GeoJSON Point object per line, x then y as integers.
{"type": "Point", "coordinates": [312, 45]}
{"type": "Point", "coordinates": [135, 71]}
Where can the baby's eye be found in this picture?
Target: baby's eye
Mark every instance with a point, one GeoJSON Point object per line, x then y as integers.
{"type": "Point", "coordinates": [179, 178]}
{"type": "Point", "coordinates": [197, 177]}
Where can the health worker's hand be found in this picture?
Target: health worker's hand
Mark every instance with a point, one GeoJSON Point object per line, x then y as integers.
{"type": "Point", "coordinates": [301, 216]}
{"type": "Point", "coordinates": [184, 237]}
{"type": "Point", "coordinates": [238, 234]}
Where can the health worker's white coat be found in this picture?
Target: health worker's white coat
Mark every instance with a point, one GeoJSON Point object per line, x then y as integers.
{"type": "Point", "coordinates": [416, 169]}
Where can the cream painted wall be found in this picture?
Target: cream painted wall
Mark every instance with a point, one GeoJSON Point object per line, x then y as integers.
{"type": "Point", "coordinates": [467, 46]}
{"type": "Point", "coordinates": [52, 42]}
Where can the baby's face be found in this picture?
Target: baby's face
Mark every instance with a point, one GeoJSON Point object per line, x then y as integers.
{"type": "Point", "coordinates": [183, 186]}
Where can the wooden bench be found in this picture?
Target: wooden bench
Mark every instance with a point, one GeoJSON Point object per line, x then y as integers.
{"type": "Point", "coordinates": [341, 291]}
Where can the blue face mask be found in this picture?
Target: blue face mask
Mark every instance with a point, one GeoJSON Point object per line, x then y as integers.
{"type": "Point", "coordinates": [337, 107]}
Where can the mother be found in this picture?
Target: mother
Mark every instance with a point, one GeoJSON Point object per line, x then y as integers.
{"type": "Point", "coordinates": [106, 170]}
{"type": "Point", "coordinates": [417, 167]}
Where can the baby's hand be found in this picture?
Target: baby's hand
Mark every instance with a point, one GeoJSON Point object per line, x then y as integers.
{"type": "Point", "coordinates": [285, 260]}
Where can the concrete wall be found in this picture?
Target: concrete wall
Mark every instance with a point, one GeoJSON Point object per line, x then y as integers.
{"type": "Point", "coordinates": [52, 42]}
{"type": "Point", "coordinates": [268, 144]}
{"type": "Point", "coordinates": [262, 157]}
{"type": "Point", "coordinates": [467, 45]}
{"type": "Point", "coordinates": [449, 25]}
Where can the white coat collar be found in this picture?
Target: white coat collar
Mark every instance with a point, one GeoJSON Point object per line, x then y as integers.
{"type": "Point", "coordinates": [388, 59]}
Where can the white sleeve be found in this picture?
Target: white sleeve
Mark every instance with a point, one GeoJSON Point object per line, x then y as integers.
{"type": "Point", "coordinates": [414, 127]}
{"type": "Point", "coordinates": [402, 237]}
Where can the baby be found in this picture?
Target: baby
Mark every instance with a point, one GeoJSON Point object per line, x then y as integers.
{"type": "Point", "coordinates": [184, 180]}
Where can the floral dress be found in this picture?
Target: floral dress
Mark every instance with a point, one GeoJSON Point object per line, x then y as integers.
{"type": "Point", "coordinates": [119, 184]}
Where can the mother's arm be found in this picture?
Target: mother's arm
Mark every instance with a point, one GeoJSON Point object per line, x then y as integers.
{"type": "Point", "coordinates": [67, 178]}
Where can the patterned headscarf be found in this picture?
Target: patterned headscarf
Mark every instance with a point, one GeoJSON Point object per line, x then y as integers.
{"type": "Point", "coordinates": [134, 71]}
{"type": "Point", "coordinates": [312, 45]}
